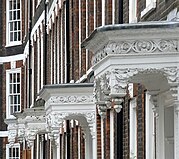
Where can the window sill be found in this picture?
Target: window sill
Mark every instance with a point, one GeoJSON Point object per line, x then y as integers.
{"type": "Point", "coordinates": [148, 9]}
{"type": "Point", "coordinates": [14, 44]}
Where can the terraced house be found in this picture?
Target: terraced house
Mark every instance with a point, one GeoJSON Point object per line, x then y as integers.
{"type": "Point", "coordinates": [89, 79]}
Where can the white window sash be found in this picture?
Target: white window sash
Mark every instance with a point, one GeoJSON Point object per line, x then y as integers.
{"type": "Point", "coordinates": [16, 145]}
{"type": "Point", "coordinates": [8, 72]}
{"type": "Point", "coordinates": [8, 42]}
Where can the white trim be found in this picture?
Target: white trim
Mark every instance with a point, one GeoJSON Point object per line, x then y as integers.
{"type": "Point", "coordinates": [79, 143]}
{"type": "Point", "coordinates": [102, 139]}
{"type": "Point", "coordinates": [86, 18]}
{"type": "Point", "coordinates": [103, 12]}
{"type": "Point", "coordinates": [37, 24]}
{"type": "Point", "coordinates": [149, 127]}
{"type": "Point", "coordinates": [94, 14]}
{"type": "Point", "coordinates": [61, 29]}
{"type": "Point", "coordinates": [3, 133]}
{"type": "Point", "coordinates": [113, 12]}
{"type": "Point", "coordinates": [51, 10]}
{"type": "Point", "coordinates": [12, 58]}
{"type": "Point", "coordinates": [132, 11]}
{"type": "Point", "coordinates": [133, 129]}
{"type": "Point", "coordinates": [16, 70]}
{"type": "Point", "coordinates": [38, 62]}
{"type": "Point", "coordinates": [65, 48]}
{"type": "Point", "coordinates": [13, 43]}
{"type": "Point", "coordinates": [79, 32]}
{"type": "Point", "coordinates": [16, 145]}
{"type": "Point", "coordinates": [149, 7]}
{"type": "Point", "coordinates": [84, 77]}
{"type": "Point", "coordinates": [111, 134]}
{"type": "Point", "coordinates": [42, 60]}
{"type": "Point", "coordinates": [58, 51]}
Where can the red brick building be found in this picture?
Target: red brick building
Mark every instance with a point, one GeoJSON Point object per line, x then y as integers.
{"type": "Point", "coordinates": [83, 79]}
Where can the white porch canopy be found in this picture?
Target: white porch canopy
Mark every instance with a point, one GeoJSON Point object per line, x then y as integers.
{"type": "Point", "coordinates": [146, 53]}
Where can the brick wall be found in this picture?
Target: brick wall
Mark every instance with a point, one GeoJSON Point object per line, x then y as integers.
{"type": "Point", "coordinates": [98, 127]}
{"type": "Point", "coordinates": [139, 92]}
{"type": "Point", "coordinates": [126, 128]}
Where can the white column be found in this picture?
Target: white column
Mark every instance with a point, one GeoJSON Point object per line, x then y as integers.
{"type": "Point", "coordinates": [111, 134]}
{"type": "Point", "coordinates": [102, 139]}
{"type": "Point", "coordinates": [88, 146]}
{"type": "Point", "coordinates": [103, 12]}
{"type": "Point", "coordinates": [42, 60]}
{"type": "Point", "coordinates": [160, 129]}
{"type": "Point", "coordinates": [94, 14]}
{"type": "Point", "coordinates": [58, 148]}
{"type": "Point", "coordinates": [149, 127]}
{"type": "Point", "coordinates": [113, 11]}
{"type": "Point", "coordinates": [61, 49]}
{"type": "Point", "coordinates": [79, 33]}
{"type": "Point", "coordinates": [176, 132]}
{"type": "Point", "coordinates": [133, 129]}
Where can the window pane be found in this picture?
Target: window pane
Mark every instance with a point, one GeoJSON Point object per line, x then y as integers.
{"type": "Point", "coordinates": [19, 26]}
{"type": "Point", "coordinates": [14, 151]}
{"type": "Point", "coordinates": [18, 4]}
{"type": "Point", "coordinates": [18, 77]}
{"type": "Point", "coordinates": [14, 5]}
{"type": "Point", "coordinates": [10, 152]}
{"type": "Point", "coordinates": [14, 15]}
{"type": "Point", "coordinates": [15, 99]}
{"type": "Point", "coordinates": [10, 5]}
{"type": "Point", "coordinates": [17, 152]}
{"type": "Point", "coordinates": [19, 36]}
{"type": "Point", "coordinates": [15, 25]}
{"type": "Point", "coordinates": [10, 79]}
{"type": "Point", "coordinates": [10, 15]}
{"type": "Point", "coordinates": [15, 36]}
{"type": "Point", "coordinates": [11, 36]}
{"type": "Point", "coordinates": [18, 99]}
{"type": "Point", "coordinates": [11, 110]}
{"type": "Point", "coordinates": [18, 88]}
{"type": "Point", "coordinates": [19, 108]}
{"type": "Point", "coordinates": [14, 89]}
{"type": "Point", "coordinates": [11, 100]}
{"type": "Point", "coordinates": [15, 108]}
{"type": "Point", "coordinates": [18, 14]}
{"type": "Point", "coordinates": [11, 26]}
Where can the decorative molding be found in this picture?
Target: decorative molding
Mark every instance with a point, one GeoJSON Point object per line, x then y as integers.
{"type": "Point", "coordinates": [72, 99]}
{"type": "Point", "coordinates": [137, 47]}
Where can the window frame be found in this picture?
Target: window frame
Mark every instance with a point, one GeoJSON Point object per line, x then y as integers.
{"type": "Point", "coordinates": [8, 42]}
{"type": "Point", "coordinates": [8, 146]}
{"type": "Point", "coordinates": [150, 6]}
{"type": "Point", "coordinates": [132, 11]}
{"type": "Point", "coordinates": [8, 110]}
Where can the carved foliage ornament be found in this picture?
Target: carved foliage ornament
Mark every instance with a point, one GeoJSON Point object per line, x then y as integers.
{"type": "Point", "coordinates": [139, 46]}
{"type": "Point", "coordinates": [71, 99]}
{"type": "Point", "coordinates": [102, 87]}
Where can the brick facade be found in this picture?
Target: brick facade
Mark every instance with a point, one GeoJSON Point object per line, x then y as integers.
{"type": "Point", "coordinates": [65, 61]}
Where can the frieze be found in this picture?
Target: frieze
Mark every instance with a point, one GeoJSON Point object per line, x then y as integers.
{"type": "Point", "coordinates": [72, 99]}
{"type": "Point", "coordinates": [136, 47]}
